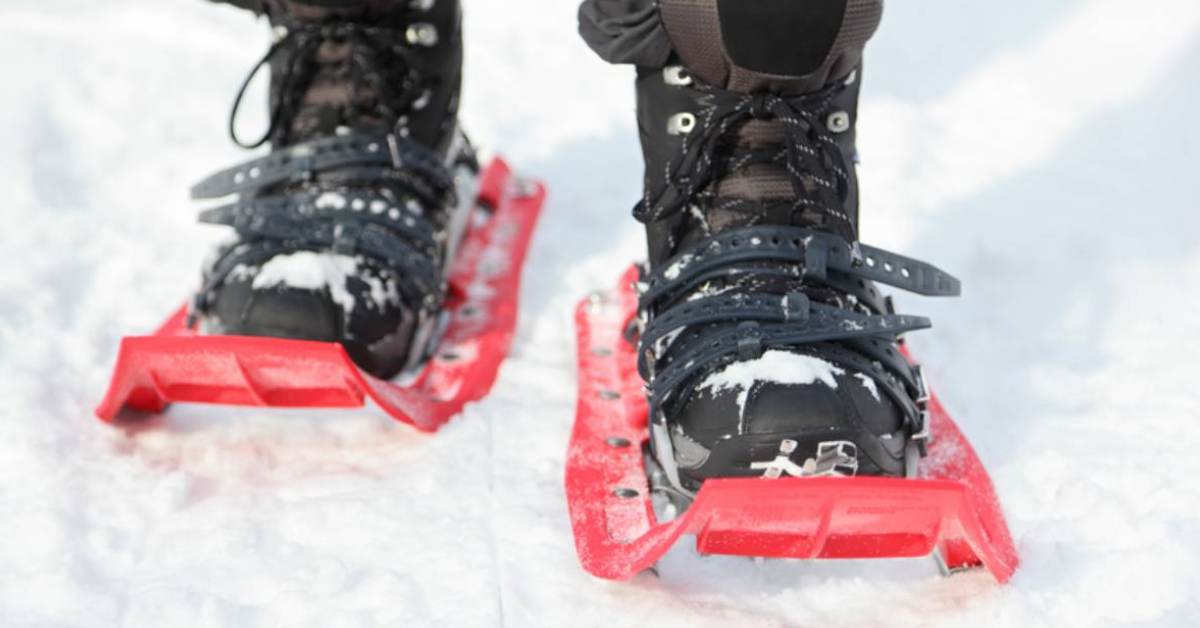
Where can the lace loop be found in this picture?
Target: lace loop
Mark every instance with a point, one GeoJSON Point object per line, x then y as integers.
{"type": "Point", "coordinates": [276, 108]}
{"type": "Point", "coordinates": [363, 65]}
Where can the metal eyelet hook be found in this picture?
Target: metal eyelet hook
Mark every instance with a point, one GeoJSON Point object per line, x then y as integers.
{"type": "Point", "coordinates": [676, 76]}
{"type": "Point", "coordinates": [422, 34]}
{"type": "Point", "coordinates": [838, 122]}
{"type": "Point", "coordinates": [681, 123]}
{"type": "Point", "coordinates": [421, 5]}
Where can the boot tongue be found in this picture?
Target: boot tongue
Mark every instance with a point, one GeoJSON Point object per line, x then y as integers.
{"type": "Point", "coordinates": [764, 182]}
{"type": "Point", "coordinates": [318, 10]}
{"type": "Point", "coordinates": [783, 46]}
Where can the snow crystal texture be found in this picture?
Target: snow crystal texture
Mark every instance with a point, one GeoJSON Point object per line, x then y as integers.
{"type": "Point", "coordinates": [775, 367]}
{"type": "Point", "coordinates": [1049, 159]}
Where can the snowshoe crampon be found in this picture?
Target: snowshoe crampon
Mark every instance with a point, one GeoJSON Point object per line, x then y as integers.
{"type": "Point", "coordinates": [950, 510]}
{"type": "Point", "coordinates": [178, 364]}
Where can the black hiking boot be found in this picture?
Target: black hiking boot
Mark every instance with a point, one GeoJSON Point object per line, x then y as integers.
{"type": "Point", "coordinates": [766, 346]}
{"type": "Point", "coordinates": [345, 230]}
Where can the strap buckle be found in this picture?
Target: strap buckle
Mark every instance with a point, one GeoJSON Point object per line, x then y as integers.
{"type": "Point", "coordinates": [833, 459]}
{"type": "Point", "coordinates": [394, 150]}
{"type": "Point", "coordinates": [923, 435]}
{"type": "Point", "coordinates": [346, 238]}
{"type": "Point", "coordinates": [749, 341]}
{"type": "Point", "coordinates": [918, 442]}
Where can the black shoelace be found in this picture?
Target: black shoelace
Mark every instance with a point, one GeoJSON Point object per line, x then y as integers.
{"type": "Point", "coordinates": [376, 61]}
{"type": "Point", "coordinates": [818, 170]}
{"type": "Point", "coordinates": [391, 189]}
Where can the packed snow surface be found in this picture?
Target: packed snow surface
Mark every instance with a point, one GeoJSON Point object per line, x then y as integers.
{"type": "Point", "coordinates": [1043, 150]}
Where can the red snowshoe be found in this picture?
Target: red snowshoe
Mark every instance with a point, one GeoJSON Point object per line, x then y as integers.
{"type": "Point", "coordinates": [949, 509]}
{"type": "Point", "coordinates": [177, 364]}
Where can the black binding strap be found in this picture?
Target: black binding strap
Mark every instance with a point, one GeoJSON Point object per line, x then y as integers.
{"type": "Point", "coordinates": [807, 322]}
{"type": "Point", "coordinates": [298, 163]}
{"type": "Point", "coordinates": [277, 235]}
{"type": "Point", "coordinates": [683, 339]}
{"type": "Point", "coordinates": [335, 215]}
{"type": "Point", "coordinates": [812, 253]}
{"type": "Point", "coordinates": [365, 207]}
{"type": "Point", "coordinates": [750, 339]}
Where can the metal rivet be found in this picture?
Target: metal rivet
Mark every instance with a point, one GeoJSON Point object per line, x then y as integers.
{"type": "Point", "coordinates": [596, 301]}
{"type": "Point", "coordinates": [525, 188]}
{"type": "Point", "coordinates": [626, 493]}
{"type": "Point", "coordinates": [681, 124]}
{"type": "Point", "coordinates": [617, 442]}
{"type": "Point", "coordinates": [422, 34]}
{"type": "Point", "coordinates": [422, 5]}
{"type": "Point", "coordinates": [610, 395]}
{"type": "Point", "coordinates": [449, 356]}
{"type": "Point", "coordinates": [838, 122]}
{"type": "Point", "coordinates": [422, 101]}
{"type": "Point", "coordinates": [676, 76]}
{"type": "Point", "coordinates": [602, 352]}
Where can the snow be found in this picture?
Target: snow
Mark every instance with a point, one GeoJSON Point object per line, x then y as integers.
{"type": "Point", "coordinates": [774, 367]}
{"type": "Point", "coordinates": [330, 200]}
{"type": "Point", "coordinates": [1048, 158]}
{"type": "Point", "coordinates": [869, 383]}
{"type": "Point", "coordinates": [306, 270]}
{"type": "Point", "coordinates": [708, 289]}
{"type": "Point", "coordinates": [678, 266]}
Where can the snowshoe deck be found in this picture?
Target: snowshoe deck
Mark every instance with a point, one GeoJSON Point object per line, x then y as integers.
{"type": "Point", "coordinates": [177, 364]}
{"type": "Point", "coordinates": [950, 510]}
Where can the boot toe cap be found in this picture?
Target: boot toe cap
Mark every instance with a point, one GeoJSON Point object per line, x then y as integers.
{"type": "Point", "coordinates": [377, 337]}
{"type": "Point", "coordinates": [723, 433]}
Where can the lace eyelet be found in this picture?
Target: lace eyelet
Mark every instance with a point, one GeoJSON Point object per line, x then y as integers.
{"type": "Point", "coordinates": [838, 122]}
{"type": "Point", "coordinates": [422, 34]}
{"type": "Point", "coordinates": [681, 123]}
{"type": "Point", "coordinates": [676, 76]}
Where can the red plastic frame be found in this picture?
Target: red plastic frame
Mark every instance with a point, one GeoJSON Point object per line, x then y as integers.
{"type": "Point", "coordinates": [177, 364]}
{"type": "Point", "coordinates": [951, 509]}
